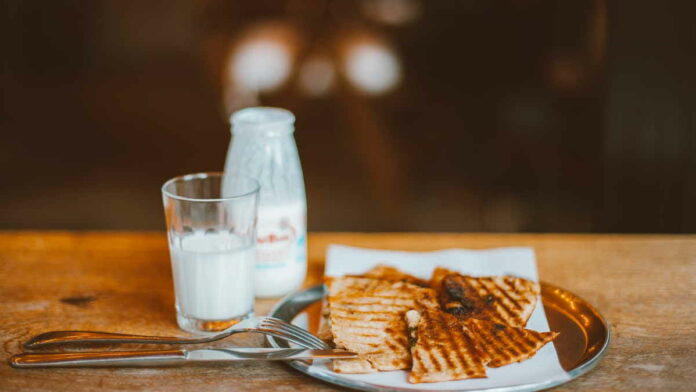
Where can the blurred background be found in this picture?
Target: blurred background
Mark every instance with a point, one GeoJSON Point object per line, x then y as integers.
{"type": "Point", "coordinates": [412, 115]}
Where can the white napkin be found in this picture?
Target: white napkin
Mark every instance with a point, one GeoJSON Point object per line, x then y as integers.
{"type": "Point", "coordinates": [542, 369]}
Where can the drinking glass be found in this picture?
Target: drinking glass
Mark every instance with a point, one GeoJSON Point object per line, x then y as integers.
{"type": "Point", "coordinates": [211, 227]}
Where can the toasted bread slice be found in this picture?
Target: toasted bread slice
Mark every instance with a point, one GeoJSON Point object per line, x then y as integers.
{"type": "Point", "coordinates": [502, 345]}
{"type": "Point", "coordinates": [324, 328]}
{"type": "Point", "coordinates": [442, 349]}
{"type": "Point", "coordinates": [392, 274]}
{"type": "Point", "coordinates": [367, 317]}
{"type": "Point", "coordinates": [502, 299]}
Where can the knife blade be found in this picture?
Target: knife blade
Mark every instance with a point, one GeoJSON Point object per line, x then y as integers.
{"type": "Point", "coordinates": [170, 357]}
{"type": "Point", "coordinates": [264, 354]}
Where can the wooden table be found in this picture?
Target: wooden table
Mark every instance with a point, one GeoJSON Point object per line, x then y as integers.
{"type": "Point", "coordinates": [644, 285]}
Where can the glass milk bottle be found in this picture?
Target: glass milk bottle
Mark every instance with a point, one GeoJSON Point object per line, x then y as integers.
{"type": "Point", "coordinates": [263, 147]}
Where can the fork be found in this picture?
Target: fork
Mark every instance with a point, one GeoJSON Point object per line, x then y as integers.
{"type": "Point", "coordinates": [266, 325]}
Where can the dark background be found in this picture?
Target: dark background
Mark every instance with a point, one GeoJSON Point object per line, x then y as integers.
{"type": "Point", "coordinates": [516, 115]}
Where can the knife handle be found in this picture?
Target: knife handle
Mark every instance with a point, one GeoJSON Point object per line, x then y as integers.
{"type": "Point", "coordinates": [77, 337]}
{"type": "Point", "coordinates": [97, 359]}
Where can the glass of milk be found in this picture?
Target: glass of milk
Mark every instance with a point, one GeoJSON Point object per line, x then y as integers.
{"type": "Point", "coordinates": [212, 243]}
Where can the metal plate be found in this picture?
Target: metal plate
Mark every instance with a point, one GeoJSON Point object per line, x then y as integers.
{"type": "Point", "coordinates": [582, 343]}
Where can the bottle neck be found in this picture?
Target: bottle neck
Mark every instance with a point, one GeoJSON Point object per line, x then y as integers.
{"type": "Point", "coordinates": [263, 122]}
{"type": "Point", "coordinates": [262, 132]}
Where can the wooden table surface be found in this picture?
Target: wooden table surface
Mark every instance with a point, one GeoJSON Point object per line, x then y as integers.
{"type": "Point", "coordinates": [644, 285]}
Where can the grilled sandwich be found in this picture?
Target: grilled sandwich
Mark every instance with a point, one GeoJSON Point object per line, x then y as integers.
{"type": "Point", "coordinates": [382, 272]}
{"type": "Point", "coordinates": [451, 331]}
{"type": "Point", "coordinates": [442, 349]}
{"type": "Point", "coordinates": [505, 300]}
{"type": "Point", "coordinates": [367, 317]}
{"type": "Point", "coordinates": [502, 345]}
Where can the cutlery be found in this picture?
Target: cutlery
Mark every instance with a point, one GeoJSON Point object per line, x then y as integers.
{"type": "Point", "coordinates": [170, 357]}
{"type": "Point", "coordinates": [265, 325]}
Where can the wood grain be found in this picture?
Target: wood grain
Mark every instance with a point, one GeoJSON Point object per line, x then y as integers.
{"type": "Point", "coordinates": [644, 285]}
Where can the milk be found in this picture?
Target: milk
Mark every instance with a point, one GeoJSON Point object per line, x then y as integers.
{"type": "Point", "coordinates": [281, 248]}
{"type": "Point", "coordinates": [212, 275]}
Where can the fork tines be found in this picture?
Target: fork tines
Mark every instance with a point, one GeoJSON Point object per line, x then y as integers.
{"type": "Point", "coordinates": [297, 334]}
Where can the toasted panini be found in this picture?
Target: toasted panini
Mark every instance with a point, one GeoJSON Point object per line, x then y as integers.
{"type": "Point", "coordinates": [324, 328]}
{"type": "Point", "coordinates": [505, 300]}
{"type": "Point", "coordinates": [367, 317]}
{"type": "Point", "coordinates": [502, 345]}
{"type": "Point", "coordinates": [386, 272]}
{"type": "Point", "coordinates": [442, 349]}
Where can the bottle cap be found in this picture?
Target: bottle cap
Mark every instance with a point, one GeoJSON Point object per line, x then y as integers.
{"type": "Point", "coordinates": [263, 121]}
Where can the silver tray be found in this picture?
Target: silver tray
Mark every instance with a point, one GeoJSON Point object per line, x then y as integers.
{"type": "Point", "coordinates": [583, 341]}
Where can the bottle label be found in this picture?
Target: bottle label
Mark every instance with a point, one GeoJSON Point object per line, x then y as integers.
{"type": "Point", "coordinates": [281, 236]}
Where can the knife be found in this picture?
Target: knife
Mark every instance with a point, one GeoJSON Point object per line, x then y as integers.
{"type": "Point", "coordinates": [170, 357]}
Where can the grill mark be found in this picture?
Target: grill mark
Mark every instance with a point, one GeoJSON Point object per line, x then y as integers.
{"type": "Point", "coordinates": [422, 337]}
{"type": "Point", "coordinates": [488, 292]}
{"type": "Point", "coordinates": [468, 346]}
{"type": "Point", "coordinates": [502, 349]}
{"type": "Point", "coordinates": [384, 313]}
{"type": "Point", "coordinates": [402, 341]}
{"type": "Point", "coordinates": [342, 324]}
{"type": "Point", "coordinates": [507, 294]}
{"type": "Point", "coordinates": [361, 284]}
{"type": "Point", "coordinates": [397, 313]}
{"type": "Point", "coordinates": [532, 343]}
{"type": "Point", "coordinates": [357, 344]}
{"type": "Point", "coordinates": [359, 321]}
{"type": "Point", "coordinates": [399, 363]}
{"type": "Point", "coordinates": [354, 326]}
{"type": "Point", "coordinates": [418, 365]}
{"type": "Point", "coordinates": [362, 319]}
{"type": "Point", "coordinates": [427, 347]}
{"type": "Point", "coordinates": [351, 305]}
{"type": "Point", "coordinates": [517, 341]}
{"type": "Point", "coordinates": [526, 341]}
{"type": "Point", "coordinates": [491, 348]}
{"type": "Point", "coordinates": [510, 346]}
{"type": "Point", "coordinates": [459, 350]}
{"type": "Point", "coordinates": [450, 337]}
{"type": "Point", "coordinates": [434, 361]}
{"type": "Point", "coordinates": [528, 287]}
{"type": "Point", "coordinates": [465, 349]}
{"type": "Point", "coordinates": [362, 339]}
{"type": "Point", "coordinates": [435, 358]}
{"type": "Point", "coordinates": [472, 360]}
{"type": "Point", "coordinates": [392, 346]}
{"type": "Point", "coordinates": [365, 317]}
{"type": "Point", "coordinates": [509, 311]}
{"type": "Point", "coordinates": [495, 311]}
{"type": "Point", "coordinates": [378, 296]}
{"type": "Point", "coordinates": [462, 350]}
{"type": "Point", "coordinates": [502, 355]}
{"type": "Point", "coordinates": [406, 306]}
{"type": "Point", "coordinates": [367, 335]}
